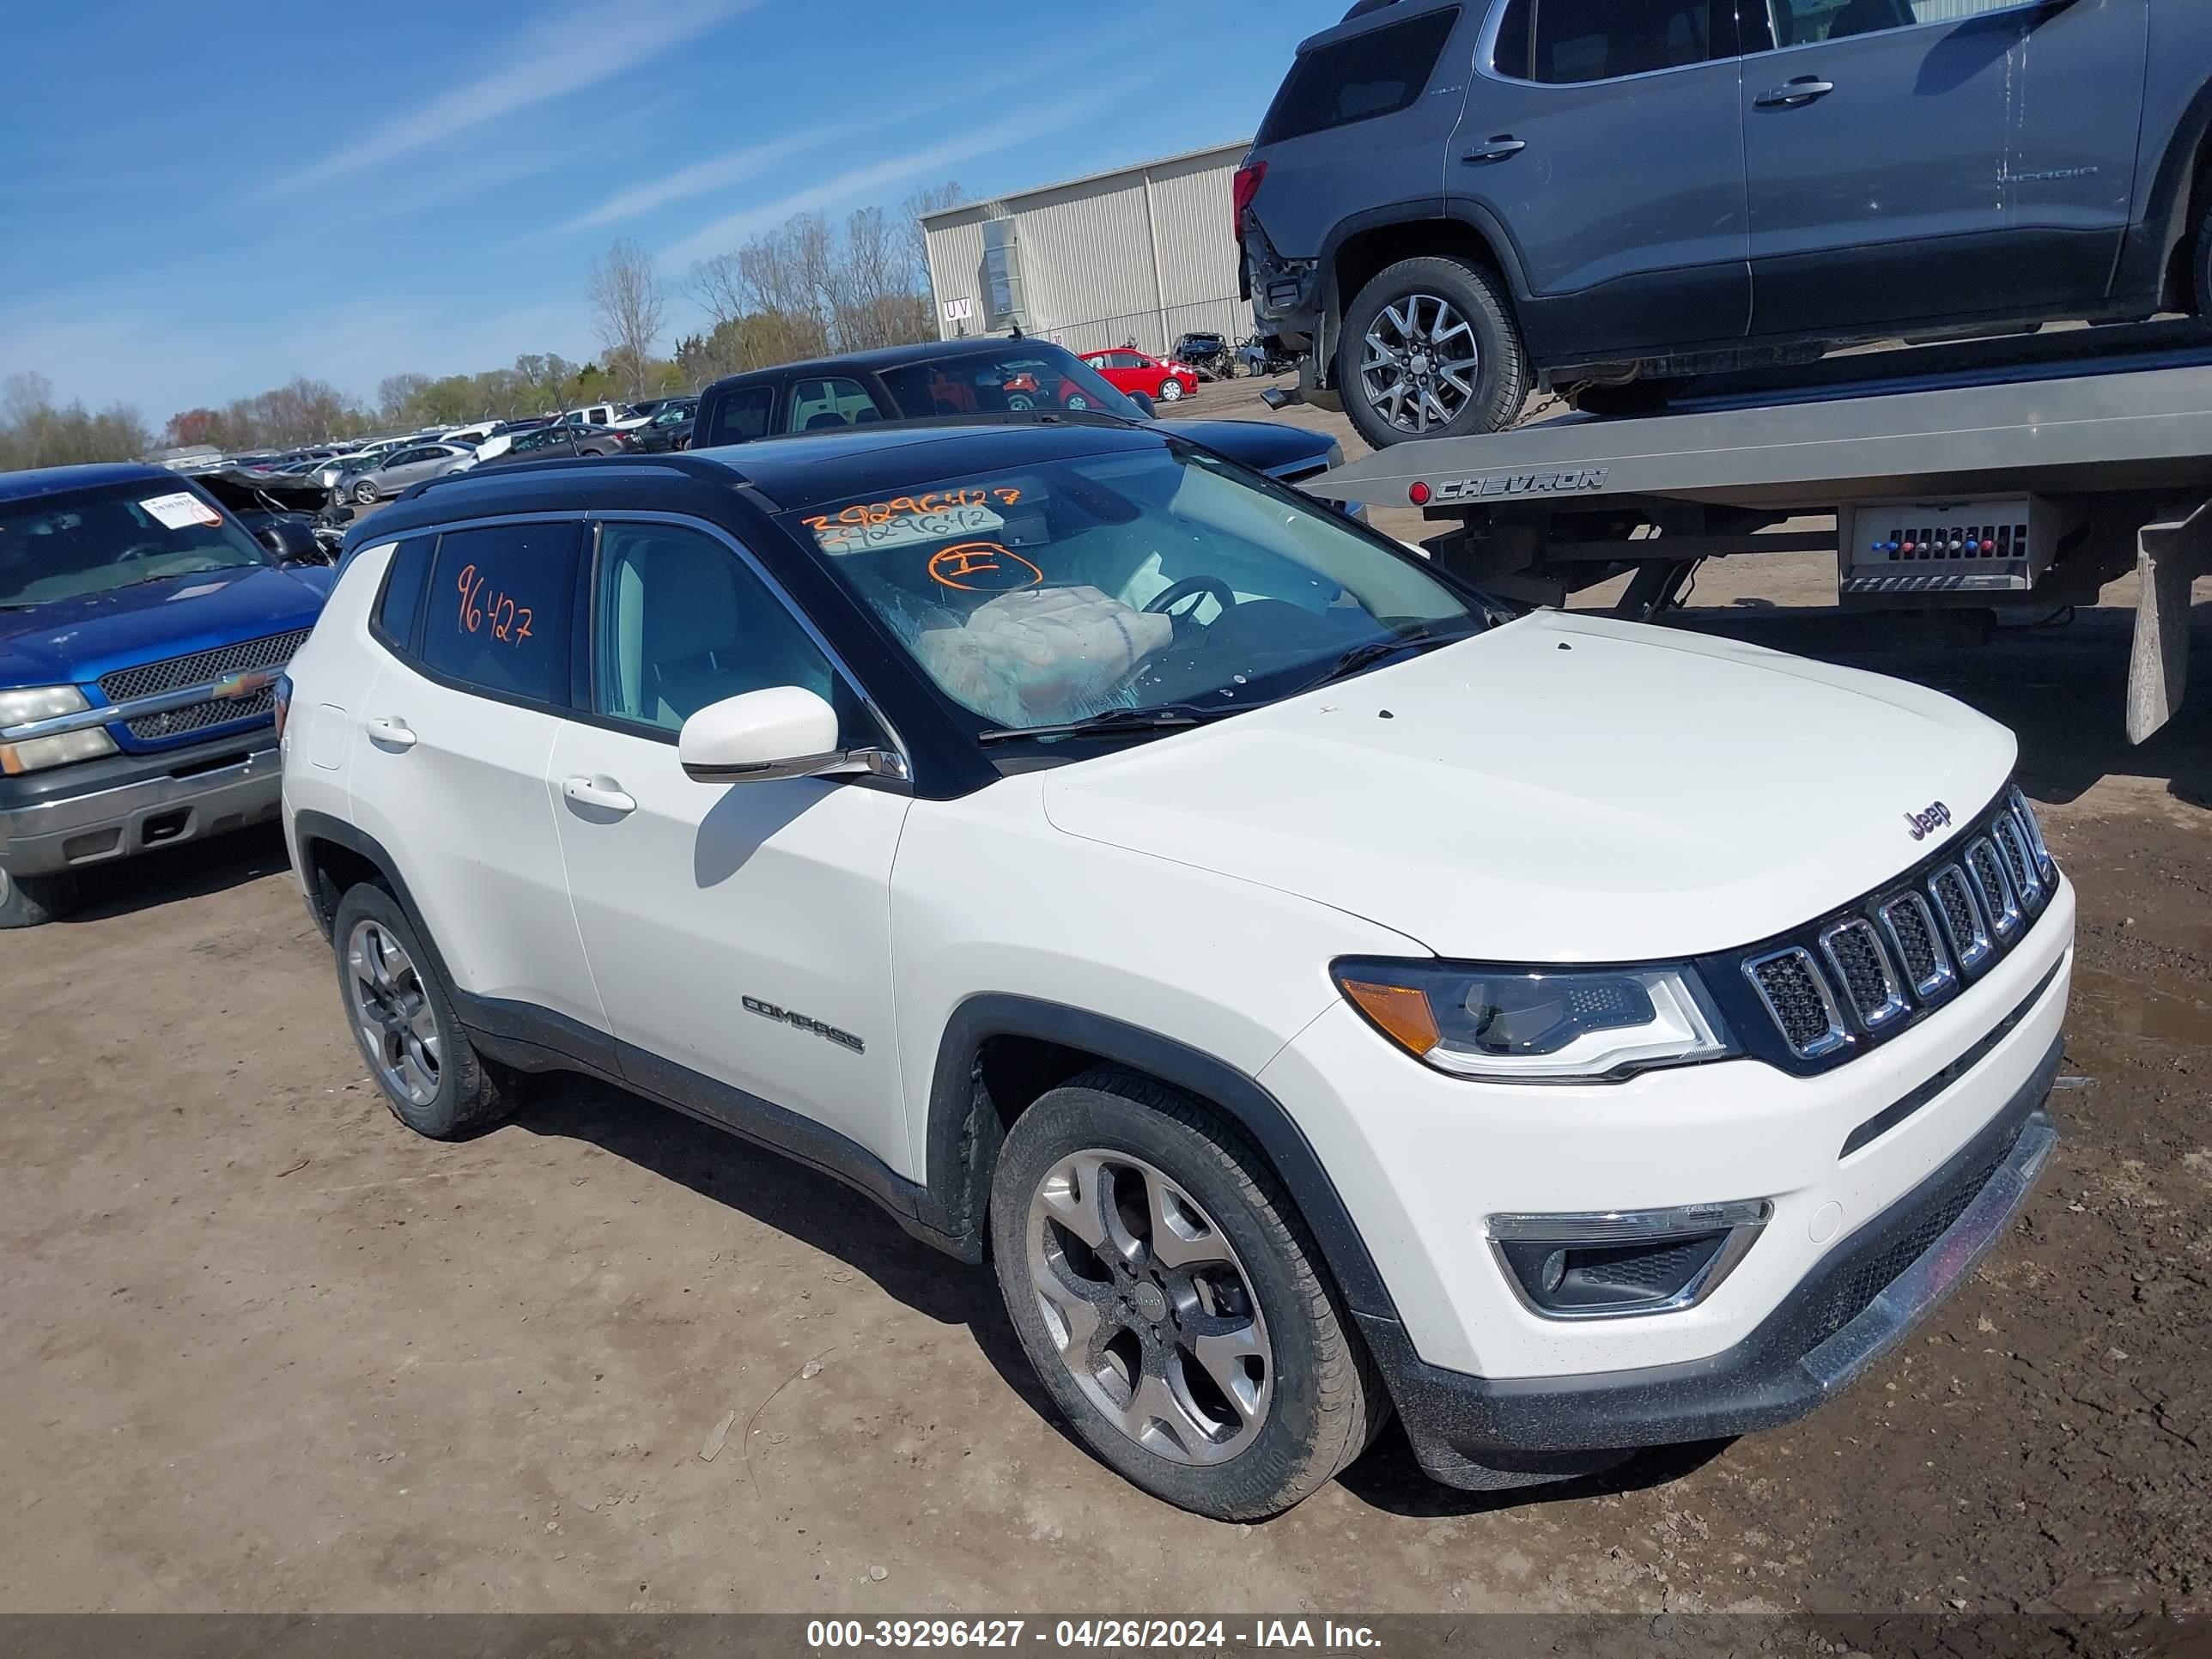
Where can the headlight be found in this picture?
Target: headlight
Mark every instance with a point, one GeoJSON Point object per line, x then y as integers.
{"type": "Point", "coordinates": [1537, 1025]}
{"type": "Point", "coordinates": [44, 702]}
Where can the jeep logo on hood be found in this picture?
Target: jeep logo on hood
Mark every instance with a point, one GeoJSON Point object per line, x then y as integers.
{"type": "Point", "coordinates": [1924, 823]}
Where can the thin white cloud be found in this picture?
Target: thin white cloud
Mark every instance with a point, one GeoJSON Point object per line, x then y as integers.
{"type": "Point", "coordinates": [565, 54]}
{"type": "Point", "coordinates": [728, 232]}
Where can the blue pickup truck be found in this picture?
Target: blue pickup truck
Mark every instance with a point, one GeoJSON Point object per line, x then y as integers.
{"type": "Point", "coordinates": [142, 633]}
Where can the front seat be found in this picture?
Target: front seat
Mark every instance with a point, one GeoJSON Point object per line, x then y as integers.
{"type": "Point", "coordinates": [703, 639]}
{"type": "Point", "coordinates": [821, 418]}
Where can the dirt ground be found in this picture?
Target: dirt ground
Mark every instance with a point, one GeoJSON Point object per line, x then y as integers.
{"type": "Point", "coordinates": [265, 1349]}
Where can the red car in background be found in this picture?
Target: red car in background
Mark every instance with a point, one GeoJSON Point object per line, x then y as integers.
{"type": "Point", "coordinates": [1127, 369]}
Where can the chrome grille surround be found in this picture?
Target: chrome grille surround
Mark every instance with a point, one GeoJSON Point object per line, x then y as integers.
{"type": "Point", "coordinates": [1814, 997]}
{"type": "Point", "coordinates": [1862, 968]}
{"type": "Point", "coordinates": [1797, 998]}
{"type": "Point", "coordinates": [2045, 866]}
{"type": "Point", "coordinates": [1964, 920]}
{"type": "Point", "coordinates": [1914, 936]}
{"type": "Point", "coordinates": [1985, 869]}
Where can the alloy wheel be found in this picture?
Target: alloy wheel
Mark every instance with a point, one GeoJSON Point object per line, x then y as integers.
{"type": "Point", "coordinates": [1149, 1307]}
{"type": "Point", "coordinates": [1418, 364]}
{"type": "Point", "coordinates": [392, 1011]}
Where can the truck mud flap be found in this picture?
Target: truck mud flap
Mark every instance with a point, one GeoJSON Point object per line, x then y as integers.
{"type": "Point", "coordinates": [2170, 557]}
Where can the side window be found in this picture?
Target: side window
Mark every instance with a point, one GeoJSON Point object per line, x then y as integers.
{"type": "Point", "coordinates": [1377, 73]}
{"type": "Point", "coordinates": [816, 404]}
{"type": "Point", "coordinates": [741, 416]}
{"type": "Point", "coordinates": [1804, 22]}
{"type": "Point", "coordinates": [402, 590]}
{"type": "Point", "coordinates": [1582, 40]}
{"type": "Point", "coordinates": [499, 605]}
{"type": "Point", "coordinates": [682, 621]}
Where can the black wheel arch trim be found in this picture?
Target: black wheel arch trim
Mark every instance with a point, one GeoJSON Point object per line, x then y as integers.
{"type": "Point", "coordinates": [2172, 207]}
{"type": "Point", "coordinates": [964, 1130]}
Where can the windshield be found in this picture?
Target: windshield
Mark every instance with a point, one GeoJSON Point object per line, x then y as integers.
{"type": "Point", "coordinates": [1026, 375]}
{"type": "Point", "coordinates": [1157, 578]}
{"type": "Point", "coordinates": [62, 547]}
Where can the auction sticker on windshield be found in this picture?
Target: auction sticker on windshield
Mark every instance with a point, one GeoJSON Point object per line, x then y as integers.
{"type": "Point", "coordinates": [937, 515]}
{"type": "Point", "coordinates": [181, 511]}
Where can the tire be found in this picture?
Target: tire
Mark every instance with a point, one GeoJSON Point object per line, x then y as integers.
{"type": "Point", "coordinates": [34, 900]}
{"type": "Point", "coordinates": [458, 1093]}
{"type": "Point", "coordinates": [1170, 390]}
{"type": "Point", "coordinates": [2201, 267]}
{"type": "Point", "coordinates": [1289, 1396]}
{"type": "Point", "coordinates": [1409, 307]}
{"type": "Point", "coordinates": [365, 492]}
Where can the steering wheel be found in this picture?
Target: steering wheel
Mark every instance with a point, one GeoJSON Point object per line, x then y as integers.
{"type": "Point", "coordinates": [138, 551]}
{"type": "Point", "coordinates": [1163, 602]}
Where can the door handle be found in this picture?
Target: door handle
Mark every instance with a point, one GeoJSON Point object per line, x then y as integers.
{"type": "Point", "coordinates": [388, 732]}
{"type": "Point", "coordinates": [1799, 93]}
{"type": "Point", "coordinates": [1497, 149]}
{"type": "Point", "coordinates": [602, 795]}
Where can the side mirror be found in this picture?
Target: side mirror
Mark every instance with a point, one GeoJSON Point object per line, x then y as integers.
{"type": "Point", "coordinates": [784, 732]}
{"type": "Point", "coordinates": [1143, 401]}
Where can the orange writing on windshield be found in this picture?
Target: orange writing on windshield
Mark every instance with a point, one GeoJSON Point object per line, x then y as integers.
{"type": "Point", "coordinates": [865, 514]}
{"type": "Point", "coordinates": [983, 567]}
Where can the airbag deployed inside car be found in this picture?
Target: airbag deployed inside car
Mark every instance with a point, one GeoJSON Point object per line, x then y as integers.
{"type": "Point", "coordinates": [1040, 654]}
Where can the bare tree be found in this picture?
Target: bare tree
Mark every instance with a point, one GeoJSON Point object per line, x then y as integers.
{"type": "Point", "coordinates": [33, 432]}
{"type": "Point", "coordinates": [628, 309]}
{"type": "Point", "coordinates": [934, 198]}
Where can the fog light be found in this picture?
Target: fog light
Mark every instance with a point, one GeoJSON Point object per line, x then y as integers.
{"type": "Point", "coordinates": [1612, 1264]}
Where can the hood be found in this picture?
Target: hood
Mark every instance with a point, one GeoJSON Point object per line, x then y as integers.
{"type": "Point", "coordinates": [1562, 788]}
{"type": "Point", "coordinates": [1260, 445]}
{"type": "Point", "coordinates": [76, 640]}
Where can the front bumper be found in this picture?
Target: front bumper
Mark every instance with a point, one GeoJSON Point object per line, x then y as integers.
{"type": "Point", "coordinates": [96, 812]}
{"type": "Point", "coordinates": [1856, 1306]}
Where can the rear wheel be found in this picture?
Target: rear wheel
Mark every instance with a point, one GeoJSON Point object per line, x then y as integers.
{"type": "Point", "coordinates": [403, 1018]}
{"type": "Point", "coordinates": [1172, 1301]}
{"type": "Point", "coordinates": [33, 901]}
{"type": "Point", "coordinates": [1430, 350]}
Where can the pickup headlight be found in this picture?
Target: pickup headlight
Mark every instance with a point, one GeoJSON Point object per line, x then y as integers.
{"type": "Point", "coordinates": [1537, 1024]}
{"type": "Point", "coordinates": [44, 702]}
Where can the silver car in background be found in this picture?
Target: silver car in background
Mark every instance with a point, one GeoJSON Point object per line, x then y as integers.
{"type": "Point", "coordinates": [408, 465]}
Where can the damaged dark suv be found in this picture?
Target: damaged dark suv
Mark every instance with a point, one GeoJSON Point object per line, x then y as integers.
{"type": "Point", "coordinates": [1452, 201]}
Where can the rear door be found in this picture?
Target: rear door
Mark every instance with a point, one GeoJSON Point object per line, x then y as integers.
{"type": "Point", "coordinates": [1360, 123]}
{"type": "Point", "coordinates": [1874, 132]}
{"type": "Point", "coordinates": [1605, 137]}
{"type": "Point", "coordinates": [2071, 176]}
{"type": "Point", "coordinates": [448, 770]}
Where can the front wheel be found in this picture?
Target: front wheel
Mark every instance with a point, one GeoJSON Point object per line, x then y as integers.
{"type": "Point", "coordinates": [1170, 390]}
{"type": "Point", "coordinates": [2202, 268]}
{"type": "Point", "coordinates": [365, 492]}
{"type": "Point", "coordinates": [1172, 1301]}
{"type": "Point", "coordinates": [33, 901]}
{"type": "Point", "coordinates": [1430, 350]}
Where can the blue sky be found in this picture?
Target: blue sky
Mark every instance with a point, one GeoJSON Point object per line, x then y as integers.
{"type": "Point", "coordinates": [205, 200]}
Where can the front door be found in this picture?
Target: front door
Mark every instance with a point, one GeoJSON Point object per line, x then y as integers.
{"type": "Point", "coordinates": [1876, 144]}
{"type": "Point", "coordinates": [1605, 137]}
{"type": "Point", "coordinates": [739, 934]}
{"type": "Point", "coordinates": [450, 773]}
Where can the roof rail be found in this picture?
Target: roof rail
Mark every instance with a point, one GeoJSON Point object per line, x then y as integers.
{"type": "Point", "coordinates": [691, 467]}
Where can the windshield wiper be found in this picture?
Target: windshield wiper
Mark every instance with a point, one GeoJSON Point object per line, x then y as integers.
{"type": "Point", "coordinates": [1166, 717]}
{"type": "Point", "coordinates": [1375, 651]}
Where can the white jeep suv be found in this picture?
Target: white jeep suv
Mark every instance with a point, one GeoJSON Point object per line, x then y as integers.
{"type": "Point", "coordinates": [1315, 990]}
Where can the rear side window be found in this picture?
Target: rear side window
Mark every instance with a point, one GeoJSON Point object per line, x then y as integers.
{"type": "Point", "coordinates": [829, 403]}
{"type": "Point", "coordinates": [402, 590]}
{"type": "Point", "coordinates": [1580, 40]}
{"type": "Point", "coordinates": [500, 607]}
{"type": "Point", "coordinates": [1377, 73]}
{"type": "Point", "coordinates": [741, 416]}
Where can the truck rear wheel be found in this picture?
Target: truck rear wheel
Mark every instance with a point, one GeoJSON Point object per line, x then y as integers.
{"type": "Point", "coordinates": [1166, 1291]}
{"type": "Point", "coordinates": [1430, 350]}
{"type": "Point", "coordinates": [33, 901]}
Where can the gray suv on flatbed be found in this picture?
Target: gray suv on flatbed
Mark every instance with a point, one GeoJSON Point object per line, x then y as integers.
{"type": "Point", "coordinates": [1451, 201]}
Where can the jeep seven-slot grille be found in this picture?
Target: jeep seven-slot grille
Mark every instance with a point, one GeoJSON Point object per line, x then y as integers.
{"type": "Point", "coordinates": [1864, 973]}
{"type": "Point", "coordinates": [180, 673]}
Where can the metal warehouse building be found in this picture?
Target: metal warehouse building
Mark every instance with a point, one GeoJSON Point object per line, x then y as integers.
{"type": "Point", "coordinates": [1140, 253]}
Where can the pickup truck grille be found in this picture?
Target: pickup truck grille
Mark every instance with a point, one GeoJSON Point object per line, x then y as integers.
{"type": "Point", "coordinates": [200, 667]}
{"type": "Point", "coordinates": [1866, 973]}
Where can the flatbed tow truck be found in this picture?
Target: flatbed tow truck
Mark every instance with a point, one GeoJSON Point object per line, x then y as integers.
{"type": "Point", "coordinates": [1975, 476]}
